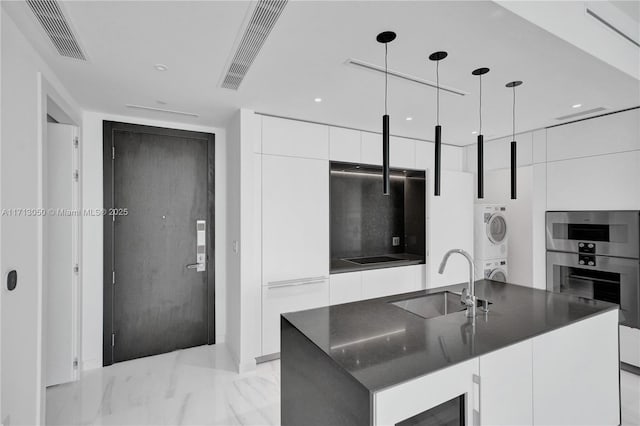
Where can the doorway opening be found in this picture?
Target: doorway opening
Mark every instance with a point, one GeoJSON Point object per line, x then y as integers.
{"type": "Point", "coordinates": [159, 253]}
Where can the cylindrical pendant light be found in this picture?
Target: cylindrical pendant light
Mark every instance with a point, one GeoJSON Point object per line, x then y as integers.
{"type": "Point", "coordinates": [437, 56]}
{"type": "Point", "coordinates": [480, 72]}
{"type": "Point", "coordinates": [385, 38]}
{"type": "Point", "coordinates": [514, 158]}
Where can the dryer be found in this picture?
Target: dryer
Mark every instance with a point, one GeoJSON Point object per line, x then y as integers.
{"type": "Point", "coordinates": [491, 232]}
{"type": "Point", "coordinates": [495, 269]}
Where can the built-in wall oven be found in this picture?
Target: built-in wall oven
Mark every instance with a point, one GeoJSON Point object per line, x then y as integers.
{"type": "Point", "coordinates": [595, 254]}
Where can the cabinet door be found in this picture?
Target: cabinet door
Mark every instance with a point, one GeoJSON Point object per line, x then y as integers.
{"type": "Point", "coordinates": [402, 153]}
{"type": "Point", "coordinates": [345, 288]}
{"type": "Point", "coordinates": [279, 298]}
{"type": "Point", "coordinates": [371, 148]}
{"type": "Point", "coordinates": [388, 281]}
{"type": "Point", "coordinates": [506, 386]}
{"type": "Point", "coordinates": [344, 145]}
{"type": "Point", "coordinates": [294, 138]}
{"type": "Point", "coordinates": [630, 345]}
{"type": "Point", "coordinates": [576, 374]}
{"type": "Point", "coordinates": [295, 218]}
{"type": "Point", "coordinates": [450, 226]}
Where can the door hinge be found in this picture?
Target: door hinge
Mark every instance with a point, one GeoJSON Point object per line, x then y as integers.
{"type": "Point", "coordinates": [113, 277]}
{"type": "Point", "coordinates": [113, 152]}
{"type": "Point", "coordinates": [76, 142]}
{"type": "Point", "coordinates": [76, 268]}
{"type": "Point", "coordinates": [76, 175]}
{"type": "Point", "coordinates": [113, 339]}
{"type": "Point", "coordinates": [75, 363]}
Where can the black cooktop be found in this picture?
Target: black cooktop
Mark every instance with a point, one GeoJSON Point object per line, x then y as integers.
{"type": "Point", "coordinates": [373, 259]}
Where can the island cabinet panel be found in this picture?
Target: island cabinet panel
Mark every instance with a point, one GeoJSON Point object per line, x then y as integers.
{"type": "Point", "coordinates": [315, 391]}
{"type": "Point", "coordinates": [345, 288]}
{"type": "Point", "coordinates": [575, 370]}
{"type": "Point", "coordinates": [416, 397]}
{"type": "Point", "coordinates": [389, 281]}
{"type": "Point", "coordinates": [295, 138]}
{"type": "Point", "coordinates": [506, 386]}
{"type": "Point", "coordinates": [344, 145]}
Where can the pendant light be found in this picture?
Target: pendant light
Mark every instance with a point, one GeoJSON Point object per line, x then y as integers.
{"type": "Point", "coordinates": [513, 85]}
{"type": "Point", "coordinates": [437, 57]}
{"type": "Point", "coordinates": [480, 72]}
{"type": "Point", "coordinates": [385, 38]}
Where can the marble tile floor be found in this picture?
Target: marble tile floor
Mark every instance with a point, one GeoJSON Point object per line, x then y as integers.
{"type": "Point", "coordinates": [198, 386]}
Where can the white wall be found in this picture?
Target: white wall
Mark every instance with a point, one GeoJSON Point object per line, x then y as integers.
{"type": "Point", "coordinates": [26, 83]}
{"type": "Point", "coordinates": [92, 241]}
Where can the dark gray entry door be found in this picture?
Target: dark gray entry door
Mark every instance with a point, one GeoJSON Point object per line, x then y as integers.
{"type": "Point", "coordinates": [161, 299]}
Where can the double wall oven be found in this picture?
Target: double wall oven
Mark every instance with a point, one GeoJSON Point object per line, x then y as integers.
{"type": "Point", "coordinates": [595, 254]}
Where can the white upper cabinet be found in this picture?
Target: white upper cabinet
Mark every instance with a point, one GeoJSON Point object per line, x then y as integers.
{"type": "Point", "coordinates": [371, 148]}
{"type": "Point", "coordinates": [344, 145]}
{"type": "Point", "coordinates": [295, 218]}
{"type": "Point", "coordinates": [539, 149]}
{"type": "Point", "coordinates": [603, 135]}
{"type": "Point", "coordinates": [294, 138]}
{"type": "Point", "coordinates": [604, 182]}
{"type": "Point", "coordinates": [452, 156]}
{"type": "Point", "coordinates": [402, 153]}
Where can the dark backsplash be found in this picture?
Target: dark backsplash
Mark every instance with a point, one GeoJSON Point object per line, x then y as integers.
{"type": "Point", "coordinates": [364, 221]}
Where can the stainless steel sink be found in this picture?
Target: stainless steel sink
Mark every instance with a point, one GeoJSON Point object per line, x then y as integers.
{"type": "Point", "coordinates": [435, 304]}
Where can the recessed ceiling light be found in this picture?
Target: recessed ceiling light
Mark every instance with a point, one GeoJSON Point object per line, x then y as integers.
{"type": "Point", "coordinates": [161, 67]}
{"type": "Point", "coordinates": [474, 133]}
{"type": "Point", "coordinates": [317, 100]}
{"type": "Point", "coordinates": [576, 106]}
{"type": "Point", "coordinates": [409, 118]}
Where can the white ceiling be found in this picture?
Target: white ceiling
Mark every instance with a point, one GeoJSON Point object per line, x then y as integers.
{"type": "Point", "coordinates": [304, 57]}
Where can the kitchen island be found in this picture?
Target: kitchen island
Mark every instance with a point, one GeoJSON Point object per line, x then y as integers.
{"type": "Point", "coordinates": [535, 357]}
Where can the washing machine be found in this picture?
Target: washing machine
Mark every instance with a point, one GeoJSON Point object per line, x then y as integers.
{"type": "Point", "coordinates": [490, 232]}
{"type": "Point", "coordinates": [495, 270]}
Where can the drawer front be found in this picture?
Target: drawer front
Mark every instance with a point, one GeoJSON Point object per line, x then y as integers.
{"type": "Point", "coordinates": [288, 296]}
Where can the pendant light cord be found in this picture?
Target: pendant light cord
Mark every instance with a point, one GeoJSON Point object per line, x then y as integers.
{"type": "Point", "coordinates": [480, 112]}
{"type": "Point", "coordinates": [385, 78]}
{"type": "Point", "coordinates": [438, 93]}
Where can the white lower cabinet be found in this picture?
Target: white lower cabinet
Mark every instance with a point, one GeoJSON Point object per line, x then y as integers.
{"type": "Point", "coordinates": [576, 374]}
{"type": "Point", "coordinates": [630, 345]}
{"type": "Point", "coordinates": [345, 288]}
{"type": "Point", "coordinates": [288, 296]}
{"type": "Point", "coordinates": [506, 386]}
{"type": "Point", "coordinates": [388, 281]}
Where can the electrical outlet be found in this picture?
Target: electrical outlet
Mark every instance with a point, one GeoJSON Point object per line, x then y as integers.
{"type": "Point", "coordinates": [395, 241]}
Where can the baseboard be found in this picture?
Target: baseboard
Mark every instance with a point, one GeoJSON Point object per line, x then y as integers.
{"type": "Point", "coordinates": [220, 338]}
{"type": "Point", "coordinates": [243, 367]}
{"type": "Point", "coordinates": [91, 364]}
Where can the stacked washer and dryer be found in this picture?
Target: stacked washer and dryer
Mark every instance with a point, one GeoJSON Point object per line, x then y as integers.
{"type": "Point", "coordinates": [490, 242]}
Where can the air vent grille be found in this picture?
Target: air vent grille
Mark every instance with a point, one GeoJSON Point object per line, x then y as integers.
{"type": "Point", "coordinates": [581, 113]}
{"type": "Point", "coordinates": [263, 19]}
{"type": "Point", "coordinates": [57, 28]}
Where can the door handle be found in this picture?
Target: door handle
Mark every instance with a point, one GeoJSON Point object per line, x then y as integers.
{"type": "Point", "coordinates": [193, 266]}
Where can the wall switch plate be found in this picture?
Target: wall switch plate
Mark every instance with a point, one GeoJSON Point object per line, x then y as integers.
{"type": "Point", "coordinates": [395, 241]}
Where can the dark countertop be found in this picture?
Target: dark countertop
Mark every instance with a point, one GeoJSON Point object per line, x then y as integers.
{"type": "Point", "coordinates": [339, 266]}
{"type": "Point", "coordinates": [381, 345]}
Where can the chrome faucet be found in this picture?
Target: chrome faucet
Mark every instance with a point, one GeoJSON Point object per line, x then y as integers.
{"type": "Point", "coordinates": [468, 296]}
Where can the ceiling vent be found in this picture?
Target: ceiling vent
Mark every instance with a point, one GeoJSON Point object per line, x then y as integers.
{"type": "Point", "coordinates": [57, 28]}
{"type": "Point", "coordinates": [264, 18]}
{"type": "Point", "coordinates": [581, 113]}
{"type": "Point", "coordinates": [413, 79]}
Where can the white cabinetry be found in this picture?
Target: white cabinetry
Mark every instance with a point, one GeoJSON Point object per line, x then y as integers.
{"type": "Point", "coordinates": [371, 148]}
{"type": "Point", "coordinates": [629, 345]}
{"type": "Point", "coordinates": [281, 297]}
{"type": "Point", "coordinates": [402, 153]}
{"type": "Point", "coordinates": [506, 386]}
{"type": "Point", "coordinates": [450, 226]}
{"type": "Point", "coordinates": [575, 370]}
{"type": "Point", "coordinates": [388, 281]}
{"type": "Point", "coordinates": [345, 288]}
{"type": "Point", "coordinates": [295, 243]}
{"type": "Point", "coordinates": [344, 145]}
{"type": "Point", "coordinates": [294, 138]}
{"type": "Point", "coordinates": [603, 135]}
